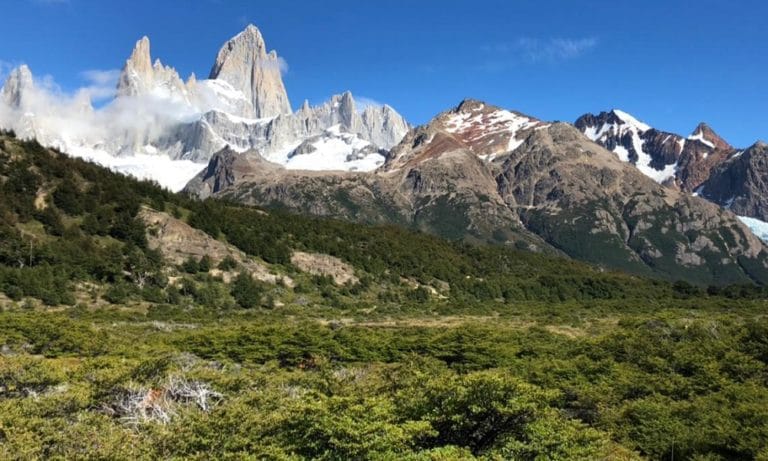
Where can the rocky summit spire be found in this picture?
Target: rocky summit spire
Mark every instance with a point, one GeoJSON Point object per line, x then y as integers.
{"type": "Point", "coordinates": [139, 76]}
{"type": "Point", "coordinates": [244, 63]}
{"type": "Point", "coordinates": [17, 85]}
{"type": "Point", "coordinates": [137, 72]}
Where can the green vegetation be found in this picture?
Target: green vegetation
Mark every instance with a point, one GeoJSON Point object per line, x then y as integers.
{"type": "Point", "coordinates": [437, 350]}
{"type": "Point", "coordinates": [570, 383]}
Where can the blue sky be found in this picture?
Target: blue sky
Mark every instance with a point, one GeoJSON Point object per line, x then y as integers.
{"type": "Point", "coordinates": [670, 63]}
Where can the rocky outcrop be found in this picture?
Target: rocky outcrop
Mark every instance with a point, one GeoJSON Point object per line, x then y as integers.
{"type": "Point", "coordinates": [226, 168]}
{"type": "Point", "coordinates": [740, 184]}
{"type": "Point", "coordinates": [177, 241]}
{"type": "Point", "coordinates": [245, 63]}
{"type": "Point", "coordinates": [325, 265]}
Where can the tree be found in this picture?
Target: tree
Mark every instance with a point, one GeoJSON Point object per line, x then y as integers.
{"type": "Point", "coordinates": [228, 263]}
{"type": "Point", "coordinates": [246, 291]}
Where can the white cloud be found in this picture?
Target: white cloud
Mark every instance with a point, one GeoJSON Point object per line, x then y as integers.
{"type": "Point", "coordinates": [102, 84]}
{"type": "Point", "coordinates": [362, 103]}
{"type": "Point", "coordinates": [554, 49]}
{"type": "Point", "coordinates": [68, 121]}
{"type": "Point", "coordinates": [279, 63]}
{"type": "Point", "coordinates": [501, 56]}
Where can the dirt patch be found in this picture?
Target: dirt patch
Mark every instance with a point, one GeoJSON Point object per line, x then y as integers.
{"type": "Point", "coordinates": [178, 241]}
{"type": "Point", "coordinates": [321, 264]}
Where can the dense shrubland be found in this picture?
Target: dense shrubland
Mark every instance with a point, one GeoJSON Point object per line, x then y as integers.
{"type": "Point", "coordinates": [565, 385]}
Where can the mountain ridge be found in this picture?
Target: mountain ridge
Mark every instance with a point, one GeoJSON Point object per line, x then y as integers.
{"type": "Point", "coordinates": [481, 173]}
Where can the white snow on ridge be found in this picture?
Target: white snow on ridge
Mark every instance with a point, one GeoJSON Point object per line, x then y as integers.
{"type": "Point", "coordinates": [758, 227]}
{"type": "Point", "coordinates": [331, 152]}
{"type": "Point", "coordinates": [635, 128]}
{"type": "Point", "coordinates": [477, 125]}
{"type": "Point", "coordinates": [658, 175]}
{"type": "Point", "coordinates": [630, 120]}
{"type": "Point", "coordinates": [700, 137]}
{"type": "Point", "coordinates": [629, 124]}
{"type": "Point", "coordinates": [681, 143]}
{"type": "Point", "coordinates": [594, 134]}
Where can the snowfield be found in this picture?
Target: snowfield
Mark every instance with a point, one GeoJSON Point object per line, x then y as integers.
{"type": "Point", "coordinates": [171, 174]}
{"type": "Point", "coordinates": [758, 227]}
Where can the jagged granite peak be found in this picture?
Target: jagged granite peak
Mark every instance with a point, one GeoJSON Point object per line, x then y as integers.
{"type": "Point", "coordinates": [347, 109]}
{"type": "Point", "coordinates": [244, 62]}
{"type": "Point", "coordinates": [17, 86]}
{"type": "Point", "coordinates": [157, 118]}
{"type": "Point", "coordinates": [304, 109]}
{"type": "Point", "coordinates": [137, 71]}
{"type": "Point", "coordinates": [332, 135]}
{"type": "Point", "coordinates": [140, 76]}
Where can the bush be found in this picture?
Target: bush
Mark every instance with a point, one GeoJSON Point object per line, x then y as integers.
{"type": "Point", "coordinates": [228, 263]}
{"type": "Point", "coordinates": [118, 293]}
{"type": "Point", "coordinates": [246, 291]}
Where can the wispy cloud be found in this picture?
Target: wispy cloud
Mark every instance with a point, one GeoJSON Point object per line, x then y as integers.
{"type": "Point", "coordinates": [363, 102]}
{"type": "Point", "coordinates": [536, 50]}
{"type": "Point", "coordinates": [101, 84]}
{"type": "Point", "coordinates": [555, 49]}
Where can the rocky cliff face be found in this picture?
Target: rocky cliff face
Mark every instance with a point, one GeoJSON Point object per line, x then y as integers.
{"type": "Point", "coordinates": [740, 183]}
{"type": "Point", "coordinates": [245, 64]}
{"type": "Point", "coordinates": [703, 163]}
{"type": "Point", "coordinates": [478, 172]}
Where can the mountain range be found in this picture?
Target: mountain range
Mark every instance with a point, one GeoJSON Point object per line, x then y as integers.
{"type": "Point", "coordinates": [608, 189]}
{"type": "Point", "coordinates": [161, 127]}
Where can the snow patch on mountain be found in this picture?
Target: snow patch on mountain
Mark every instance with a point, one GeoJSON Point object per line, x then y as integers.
{"type": "Point", "coordinates": [613, 128]}
{"type": "Point", "coordinates": [758, 227]}
{"type": "Point", "coordinates": [700, 137]}
{"type": "Point", "coordinates": [468, 124]}
{"type": "Point", "coordinates": [630, 120]}
{"type": "Point", "coordinates": [333, 150]}
{"type": "Point", "coordinates": [171, 174]}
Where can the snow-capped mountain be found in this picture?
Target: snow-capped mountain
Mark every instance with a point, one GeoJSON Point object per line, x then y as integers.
{"type": "Point", "coordinates": [702, 164]}
{"type": "Point", "coordinates": [160, 127]}
{"type": "Point", "coordinates": [483, 129]}
{"type": "Point", "coordinates": [667, 158]}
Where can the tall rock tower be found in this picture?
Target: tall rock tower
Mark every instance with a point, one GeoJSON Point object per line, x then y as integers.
{"type": "Point", "coordinates": [244, 63]}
